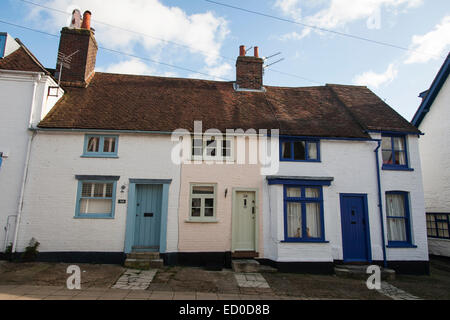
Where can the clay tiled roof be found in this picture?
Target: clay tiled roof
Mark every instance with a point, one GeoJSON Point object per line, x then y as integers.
{"type": "Point", "coordinates": [22, 60]}
{"type": "Point", "coordinates": [142, 103]}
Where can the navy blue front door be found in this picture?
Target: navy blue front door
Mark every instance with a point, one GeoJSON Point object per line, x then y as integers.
{"type": "Point", "coordinates": [355, 237]}
{"type": "Point", "coordinates": [148, 218]}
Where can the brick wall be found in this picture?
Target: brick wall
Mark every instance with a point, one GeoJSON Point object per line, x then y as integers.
{"type": "Point", "coordinates": [82, 64]}
{"type": "Point", "coordinates": [249, 72]}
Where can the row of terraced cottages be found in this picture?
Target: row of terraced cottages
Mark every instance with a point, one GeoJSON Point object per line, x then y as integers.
{"type": "Point", "coordinates": [298, 178]}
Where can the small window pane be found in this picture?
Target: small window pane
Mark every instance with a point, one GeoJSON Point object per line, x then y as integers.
{"type": "Point", "coordinates": [86, 190]}
{"type": "Point", "coordinates": [109, 145]}
{"type": "Point", "coordinates": [196, 203]}
{"type": "Point", "coordinates": [209, 203]}
{"type": "Point", "coordinates": [312, 150]}
{"type": "Point", "coordinates": [99, 190]}
{"type": "Point", "coordinates": [313, 223]}
{"type": "Point", "coordinates": [203, 190]}
{"type": "Point", "coordinates": [95, 206]}
{"type": "Point", "coordinates": [294, 192]}
{"type": "Point", "coordinates": [400, 158]}
{"type": "Point", "coordinates": [387, 157]}
{"type": "Point", "coordinates": [386, 143]}
{"type": "Point", "coordinates": [197, 147]}
{"type": "Point", "coordinates": [93, 144]}
{"type": "Point", "coordinates": [195, 212]}
{"type": "Point", "coordinates": [209, 212]}
{"type": "Point", "coordinates": [396, 229]}
{"type": "Point", "coordinates": [312, 193]}
{"type": "Point", "coordinates": [294, 220]}
{"type": "Point", "coordinates": [286, 150]}
{"type": "Point", "coordinates": [399, 144]}
{"type": "Point", "coordinates": [211, 148]}
{"type": "Point", "coordinates": [395, 205]}
{"type": "Point", "coordinates": [299, 150]}
{"type": "Point", "coordinates": [226, 148]}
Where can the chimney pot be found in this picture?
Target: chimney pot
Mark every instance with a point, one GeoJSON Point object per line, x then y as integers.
{"type": "Point", "coordinates": [242, 51]}
{"type": "Point", "coordinates": [256, 52]}
{"type": "Point", "coordinates": [86, 20]}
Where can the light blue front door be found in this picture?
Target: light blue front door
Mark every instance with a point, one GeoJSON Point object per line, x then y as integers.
{"type": "Point", "coordinates": [148, 218]}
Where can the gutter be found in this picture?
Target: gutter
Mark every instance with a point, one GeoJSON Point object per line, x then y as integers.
{"type": "Point", "coordinates": [380, 203]}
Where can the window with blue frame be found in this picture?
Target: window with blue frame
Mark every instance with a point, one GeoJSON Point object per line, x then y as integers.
{"type": "Point", "coordinates": [299, 150]}
{"type": "Point", "coordinates": [438, 225]}
{"type": "Point", "coordinates": [303, 213]}
{"type": "Point", "coordinates": [394, 152]}
{"type": "Point", "coordinates": [398, 218]}
{"type": "Point", "coordinates": [95, 199]}
{"type": "Point", "coordinates": [101, 146]}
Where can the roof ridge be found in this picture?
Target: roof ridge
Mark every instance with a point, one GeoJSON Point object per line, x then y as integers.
{"type": "Point", "coordinates": [31, 55]}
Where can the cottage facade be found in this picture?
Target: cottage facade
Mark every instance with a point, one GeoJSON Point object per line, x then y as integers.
{"type": "Point", "coordinates": [109, 177]}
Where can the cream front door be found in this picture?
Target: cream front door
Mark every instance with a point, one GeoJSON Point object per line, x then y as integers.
{"type": "Point", "coordinates": [245, 215]}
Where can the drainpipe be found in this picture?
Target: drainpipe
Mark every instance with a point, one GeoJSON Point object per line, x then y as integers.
{"type": "Point", "coordinates": [380, 203]}
{"type": "Point", "coordinates": [27, 162]}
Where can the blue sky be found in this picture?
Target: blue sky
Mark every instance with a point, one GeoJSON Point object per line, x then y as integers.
{"type": "Point", "coordinates": [205, 37]}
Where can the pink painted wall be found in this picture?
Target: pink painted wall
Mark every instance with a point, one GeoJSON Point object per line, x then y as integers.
{"type": "Point", "coordinates": [216, 237]}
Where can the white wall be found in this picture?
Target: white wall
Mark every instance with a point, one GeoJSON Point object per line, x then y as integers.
{"type": "Point", "coordinates": [435, 153]}
{"type": "Point", "coordinates": [51, 192]}
{"type": "Point", "coordinates": [20, 93]}
{"type": "Point", "coordinates": [353, 167]}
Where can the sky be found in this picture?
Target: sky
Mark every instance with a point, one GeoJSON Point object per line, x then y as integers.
{"type": "Point", "coordinates": [202, 38]}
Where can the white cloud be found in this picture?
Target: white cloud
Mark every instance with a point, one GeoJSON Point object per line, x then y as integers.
{"type": "Point", "coordinates": [290, 8]}
{"type": "Point", "coordinates": [339, 13]}
{"type": "Point", "coordinates": [132, 66]}
{"type": "Point", "coordinates": [432, 44]}
{"type": "Point", "coordinates": [202, 34]}
{"type": "Point", "coordinates": [375, 80]}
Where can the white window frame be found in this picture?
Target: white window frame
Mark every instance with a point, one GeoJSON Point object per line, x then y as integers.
{"type": "Point", "coordinates": [219, 149]}
{"type": "Point", "coordinates": [202, 217]}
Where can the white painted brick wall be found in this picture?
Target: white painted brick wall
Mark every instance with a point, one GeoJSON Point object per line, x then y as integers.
{"type": "Point", "coordinates": [51, 192]}
{"type": "Point", "coordinates": [435, 157]}
{"type": "Point", "coordinates": [16, 96]}
{"type": "Point", "coordinates": [353, 167]}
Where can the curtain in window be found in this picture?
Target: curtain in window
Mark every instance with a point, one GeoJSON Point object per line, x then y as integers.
{"type": "Point", "coordinates": [313, 220]}
{"type": "Point", "coordinates": [396, 226]}
{"type": "Point", "coordinates": [312, 151]}
{"type": "Point", "coordinates": [294, 192]}
{"type": "Point", "coordinates": [95, 206]}
{"type": "Point", "coordinates": [294, 217]}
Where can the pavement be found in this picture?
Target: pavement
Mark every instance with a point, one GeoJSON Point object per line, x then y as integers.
{"type": "Point", "coordinates": [25, 292]}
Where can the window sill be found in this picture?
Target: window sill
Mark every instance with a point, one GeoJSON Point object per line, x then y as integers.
{"type": "Point", "coordinates": [202, 221]}
{"type": "Point", "coordinates": [394, 168]}
{"type": "Point", "coordinates": [401, 245]}
{"type": "Point", "coordinates": [95, 217]}
{"type": "Point", "coordinates": [99, 156]}
{"type": "Point", "coordinates": [301, 161]}
{"type": "Point", "coordinates": [305, 241]}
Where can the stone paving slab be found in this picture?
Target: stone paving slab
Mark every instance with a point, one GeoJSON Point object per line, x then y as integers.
{"type": "Point", "coordinates": [135, 280]}
{"type": "Point", "coordinates": [251, 280]}
{"type": "Point", "coordinates": [395, 293]}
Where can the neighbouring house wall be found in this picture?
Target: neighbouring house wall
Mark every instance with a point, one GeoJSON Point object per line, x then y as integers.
{"type": "Point", "coordinates": [216, 237]}
{"type": "Point", "coordinates": [353, 167]}
{"type": "Point", "coordinates": [51, 193]}
{"type": "Point", "coordinates": [435, 153]}
{"type": "Point", "coordinates": [439, 247]}
{"type": "Point", "coordinates": [24, 103]}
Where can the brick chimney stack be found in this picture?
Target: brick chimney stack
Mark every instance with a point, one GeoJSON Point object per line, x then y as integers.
{"type": "Point", "coordinates": [249, 70]}
{"type": "Point", "coordinates": [79, 71]}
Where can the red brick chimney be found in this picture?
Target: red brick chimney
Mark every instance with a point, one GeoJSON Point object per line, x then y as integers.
{"type": "Point", "coordinates": [249, 70]}
{"type": "Point", "coordinates": [79, 44]}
